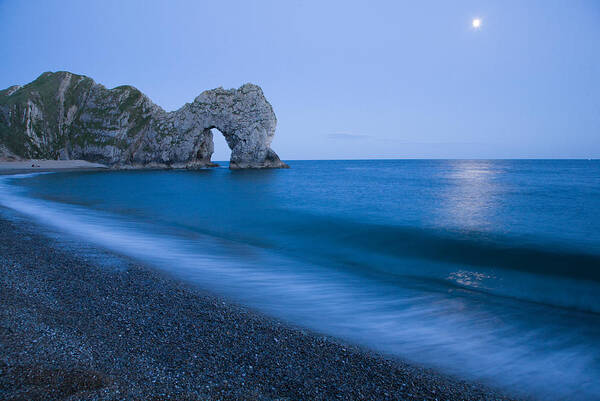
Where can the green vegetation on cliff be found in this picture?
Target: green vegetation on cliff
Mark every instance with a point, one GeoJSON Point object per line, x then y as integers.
{"type": "Point", "coordinates": [44, 117]}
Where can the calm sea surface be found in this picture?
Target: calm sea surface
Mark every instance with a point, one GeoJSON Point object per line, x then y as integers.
{"type": "Point", "coordinates": [487, 270]}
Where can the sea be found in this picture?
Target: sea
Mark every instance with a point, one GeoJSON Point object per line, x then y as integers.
{"type": "Point", "coordinates": [487, 270]}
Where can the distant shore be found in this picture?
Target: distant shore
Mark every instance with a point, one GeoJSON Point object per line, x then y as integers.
{"type": "Point", "coordinates": [34, 165]}
{"type": "Point", "coordinates": [72, 328]}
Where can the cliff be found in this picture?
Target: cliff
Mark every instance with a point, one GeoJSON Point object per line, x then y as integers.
{"type": "Point", "coordinates": [67, 116]}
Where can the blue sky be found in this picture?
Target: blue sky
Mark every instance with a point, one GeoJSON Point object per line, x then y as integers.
{"type": "Point", "coordinates": [346, 79]}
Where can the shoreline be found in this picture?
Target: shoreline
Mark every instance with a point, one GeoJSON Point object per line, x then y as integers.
{"type": "Point", "coordinates": [44, 166]}
{"type": "Point", "coordinates": [73, 327]}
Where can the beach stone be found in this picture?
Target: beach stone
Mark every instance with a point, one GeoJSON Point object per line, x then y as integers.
{"type": "Point", "coordinates": [67, 116]}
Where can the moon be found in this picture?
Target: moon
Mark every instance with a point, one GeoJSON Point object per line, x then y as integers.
{"type": "Point", "coordinates": [476, 23]}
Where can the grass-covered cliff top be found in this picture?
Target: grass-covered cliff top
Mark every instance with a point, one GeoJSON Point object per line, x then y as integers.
{"type": "Point", "coordinates": [45, 87]}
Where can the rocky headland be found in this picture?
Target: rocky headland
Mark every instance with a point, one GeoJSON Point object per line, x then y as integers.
{"type": "Point", "coordinates": [64, 116]}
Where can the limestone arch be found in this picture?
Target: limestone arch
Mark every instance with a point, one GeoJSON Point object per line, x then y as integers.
{"type": "Point", "coordinates": [245, 119]}
{"type": "Point", "coordinates": [243, 116]}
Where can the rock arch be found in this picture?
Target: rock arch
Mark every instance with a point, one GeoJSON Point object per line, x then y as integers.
{"type": "Point", "coordinates": [243, 116]}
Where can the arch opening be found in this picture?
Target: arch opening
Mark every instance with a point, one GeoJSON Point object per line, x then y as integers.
{"type": "Point", "coordinates": [221, 151]}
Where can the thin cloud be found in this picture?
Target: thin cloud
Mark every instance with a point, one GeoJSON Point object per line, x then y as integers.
{"type": "Point", "coordinates": [348, 136]}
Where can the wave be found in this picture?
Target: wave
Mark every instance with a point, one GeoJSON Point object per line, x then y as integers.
{"type": "Point", "coordinates": [367, 245]}
{"type": "Point", "coordinates": [534, 255]}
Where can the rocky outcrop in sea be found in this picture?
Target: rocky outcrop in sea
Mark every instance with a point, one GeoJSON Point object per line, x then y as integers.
{"type": "Point", "coordinates": [67, 116]}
